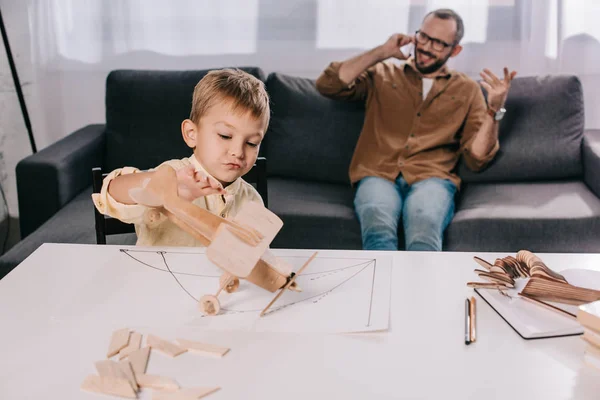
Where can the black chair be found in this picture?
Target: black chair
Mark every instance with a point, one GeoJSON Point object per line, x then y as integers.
{"type": "Point", "coordinates": [105, 225]}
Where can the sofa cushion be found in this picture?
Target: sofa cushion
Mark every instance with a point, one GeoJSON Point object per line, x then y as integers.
{"type": "Point", "coordinates": [315, 215]}
{"type": "Point", "coordinates": [540, 217]}
{"type": "Point", "coordinates": [310, 137]}
{"type": "Point", "coordinates": [74, 223]}
{"type": "Point", "coordinates": [144, 111]}
{"type": "Point", "coordinates": [541, 133]}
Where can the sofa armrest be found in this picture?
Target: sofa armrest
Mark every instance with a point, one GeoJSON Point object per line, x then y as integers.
{"type": "Point", "coordinates": [591, 159]}
{"type": "Point", "coordinates": [50, 178]}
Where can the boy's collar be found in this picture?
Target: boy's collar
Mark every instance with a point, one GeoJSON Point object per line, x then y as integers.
{"type": "Point", "coordinates": [230, 190]}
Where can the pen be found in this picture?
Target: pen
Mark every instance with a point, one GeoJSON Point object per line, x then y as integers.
{"type": "Point", "coordinates": [472, 318]}
{"type": "Point", "coordinates": [467, 321]}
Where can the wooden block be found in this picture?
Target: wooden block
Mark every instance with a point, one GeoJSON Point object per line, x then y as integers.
{"type": "Point", "coordinates": [157, 382]}
{"type": "Point", "coordinates": [560, 292]}
{"type": "Point", "coordinates": [126, 367]}
{"type": "Point", "coordinates": [234, 255]}
{"type": "Point", "coordinates": [278, 264]}
{"type": "Point", "coordinates": [117, 370]}
{"type": "Point", "coordinates": [185, 394]}
{"type": "Point", "coordinates": [139, 360]}
{"type": "Point", "coordinates": [135, 342]}
{"type": "Point", "coordinates": [119, 340]}
{"type": "Point", "coordinates": [203, 348]}
{"type": "Point", "coordinates": [108, 385]}
{"type": "Point", "coordinates": [164, 346]}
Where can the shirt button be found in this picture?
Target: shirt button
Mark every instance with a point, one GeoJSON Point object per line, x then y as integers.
{"type": "Point", "coordinates": [418, 114]}
{"type": "Point", "coordinates": [406, 147]}
{"type": "Point", "coordinates": [412, 135]}
{"type": "Point", "coordinates": [394, 85]}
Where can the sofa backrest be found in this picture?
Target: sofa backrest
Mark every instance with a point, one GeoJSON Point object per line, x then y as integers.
{"type": "Point", "coordinates": [144, 111]}
{"type": "Point", "coordinates": [310, 137]}
{"type": "Point", "coordinates": [541, 133]}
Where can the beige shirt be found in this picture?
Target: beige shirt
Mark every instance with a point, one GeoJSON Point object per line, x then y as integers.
{"type": "Point", "coordinates": [152, 227]}
{"type": "Point", "coordinates": [404, 133]}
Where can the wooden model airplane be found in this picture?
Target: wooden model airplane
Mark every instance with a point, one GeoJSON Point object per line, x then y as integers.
{"type": "Point", "coordinates": [239, 246]}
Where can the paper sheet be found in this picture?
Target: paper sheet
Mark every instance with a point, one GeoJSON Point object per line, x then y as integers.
{"type": "Point", "coordinates": [154, 287]}
{"type": "Point", "coordinates": [532, 321]}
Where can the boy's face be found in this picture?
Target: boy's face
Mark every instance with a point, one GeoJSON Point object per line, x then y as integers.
{"type": "Point", "coordinates": [226, 143]}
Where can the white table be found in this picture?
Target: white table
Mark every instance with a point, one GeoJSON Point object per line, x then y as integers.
{"type": "Point", "coordinates": [422, 356]}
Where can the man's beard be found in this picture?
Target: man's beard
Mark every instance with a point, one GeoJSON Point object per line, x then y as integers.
{"type": "Point", "coordinates": [439, 63]}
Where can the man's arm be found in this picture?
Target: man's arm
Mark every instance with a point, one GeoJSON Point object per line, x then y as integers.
{"type": "Point", "coordinates": [349, 79]}
{"type": "Point", "coordinates": [485, 139]}
{"type": "Point", "coordinates": [497, 91]}
{"type": "Point", "coordinates": [480, 144]}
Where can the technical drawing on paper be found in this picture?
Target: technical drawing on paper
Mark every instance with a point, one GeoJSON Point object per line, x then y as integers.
{"type": "Point", "coordinates": [339, 293]}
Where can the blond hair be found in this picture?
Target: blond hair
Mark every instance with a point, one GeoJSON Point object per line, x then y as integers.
{"type": "Point", "coordinates": [245, 92]}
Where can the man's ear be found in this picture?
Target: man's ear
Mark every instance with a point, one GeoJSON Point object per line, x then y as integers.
{"type": "Point", "coordinates": [189, 131]}
{"type": "Point", "coordinates": [456, 50]}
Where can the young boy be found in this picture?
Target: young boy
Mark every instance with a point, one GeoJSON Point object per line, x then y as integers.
{"type": "Point", "coordinates": [229, 118]}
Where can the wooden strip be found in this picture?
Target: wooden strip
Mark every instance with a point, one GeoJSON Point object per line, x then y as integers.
{"type": "Point", "coordinates": [157, 382]}
{"type": "Point", "coordinates": [164, 346]}
{"type": "Point", "coordinates": [118, 340]}
{"type": "Point", "coordinates": [139, 360]}
{"type": "Point", "coordinates": [486, 285]}
{"type": "Point", "coordinates": [516, 266]}
{"type": "Point", "coordinates": [502, 263]}
{"type": "Point", "coordinates": [114, 369]}
{"type": "Point", "coordinates": [561, 292]}
{"type": "Point", "coordinates": [560, 287]}
{"type": "Point", "coordinates": [532, 261]}
{"type": "Point", "coordinates": [483, 263]}
{"type": "Point", "coordinates": [547, 306]}
{"type": "Point", "coordinates": [108, 385]}
{"type": "Point", "coordinates": [117, 370]}
{"type": "Point", "coordinates": [203, 348]}
{"type": "Point", "coordinates": [128, 370]}
{"type": "Point", "coordinates": [135, 341]}
{"type": "Point", "coordinates": [498, 269]}
{"type": "Point", "coordinates": [497, 277]}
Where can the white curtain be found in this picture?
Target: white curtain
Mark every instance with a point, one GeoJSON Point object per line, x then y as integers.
{"type": "Point", "coordinates": [92, 31]}
{"type": "Point", "coordinates": [75, 43]}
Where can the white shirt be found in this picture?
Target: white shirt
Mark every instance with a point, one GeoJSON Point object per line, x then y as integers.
{"type": "Point", "coordinates": [427, 84]}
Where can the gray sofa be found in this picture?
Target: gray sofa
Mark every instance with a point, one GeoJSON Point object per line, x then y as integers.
{"type": "Point", "coordinates": [540, 193]}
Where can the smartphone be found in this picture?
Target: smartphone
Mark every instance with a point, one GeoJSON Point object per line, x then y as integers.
{"type": "Point", "coordinates": [408, 49]}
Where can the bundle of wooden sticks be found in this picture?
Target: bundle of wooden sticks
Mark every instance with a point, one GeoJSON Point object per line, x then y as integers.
{"type": "Point", "coordinates": [544, 284]}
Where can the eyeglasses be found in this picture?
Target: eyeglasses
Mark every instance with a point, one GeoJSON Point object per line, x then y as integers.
{"type": "Point", "coordinates": [437, 44]}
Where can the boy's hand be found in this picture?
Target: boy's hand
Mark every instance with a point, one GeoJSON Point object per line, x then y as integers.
{"type": "Point", "coordinates": [192, 184]}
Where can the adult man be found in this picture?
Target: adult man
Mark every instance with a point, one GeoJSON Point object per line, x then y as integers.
{"type": "Point", "coordinates": [420, 118]}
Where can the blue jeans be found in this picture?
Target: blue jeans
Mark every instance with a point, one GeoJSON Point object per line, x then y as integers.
{"type": "Point", "coordinates": [426, 208]}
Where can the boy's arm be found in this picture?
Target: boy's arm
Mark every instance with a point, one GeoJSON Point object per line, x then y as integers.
{"type": "Point", "coordinates": [120, 186]}
{"type": "Point", "coordinates": [106, 204]}
{"type": "Point", "coordinates": [115, 198]}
